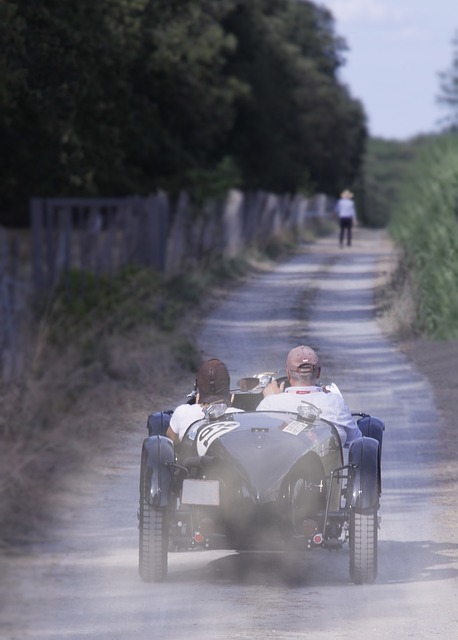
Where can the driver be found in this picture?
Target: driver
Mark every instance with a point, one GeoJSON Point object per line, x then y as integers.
{"type": "Point", "coordinates": [303, 370]}
{"type": "Point", "coordinates": [213, 385]}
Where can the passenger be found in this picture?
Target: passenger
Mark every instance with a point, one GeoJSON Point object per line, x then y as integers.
{"type": "Point", "coordinates": [303, 371]}
{"type": "Point", "coordinates": [213, 385]}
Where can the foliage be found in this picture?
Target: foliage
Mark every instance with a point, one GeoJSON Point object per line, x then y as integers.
{"type": "Point", "coordinates": [136, 296]}
{"type": "Point", "coordinates": [120, 300]}
{"type": "Point", "coordinates": [382, 177]}
{"type": "Point", "coordinates": [208, 184]}
{"type": "Point", "coordinates": [425, 224]}
{"type": "Point", "coordinates": [117, 97]}
{"type": "Point", "coordinates": [297, 120]}
{"type": "Point", "coordinates": [448, 96]}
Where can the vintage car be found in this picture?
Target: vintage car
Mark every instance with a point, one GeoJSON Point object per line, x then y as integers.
{"type": "Point", "coordinates": [259, 481]}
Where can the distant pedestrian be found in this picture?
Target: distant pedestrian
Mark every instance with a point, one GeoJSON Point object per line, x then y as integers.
{"type": "Point", "coordinates": [346, 213]}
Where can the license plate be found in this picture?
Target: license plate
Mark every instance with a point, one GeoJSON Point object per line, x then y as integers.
{"type": "Point", "coordinates": [202, 492]}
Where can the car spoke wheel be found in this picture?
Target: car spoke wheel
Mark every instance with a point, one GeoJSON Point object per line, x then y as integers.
{"type": "Point", "coordinates": [308, 495]}
{"type": "Point", "coordinates": [153, 536]}
{"type": "Point", "coordinates": [363, 546]}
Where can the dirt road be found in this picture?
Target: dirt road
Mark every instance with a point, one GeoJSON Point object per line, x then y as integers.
{"type": "Point", "coordinates": [83, 583]}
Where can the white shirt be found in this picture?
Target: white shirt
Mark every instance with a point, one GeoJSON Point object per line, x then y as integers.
{"type": "Point", "coordinates": [332, 405]}
{"type": "Point", "coordinates": [185, 414]}
{"type": "Point", "coordinates": [346, 208]}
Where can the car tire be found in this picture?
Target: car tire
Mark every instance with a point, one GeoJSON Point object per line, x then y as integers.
{"type": "Point", "coordinates": [153, 536]}
{"type": "Point", "coordinates": [363, 546]}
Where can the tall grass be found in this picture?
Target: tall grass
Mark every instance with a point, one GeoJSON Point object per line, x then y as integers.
{"type": "Point", "coordinates": [425, 224]}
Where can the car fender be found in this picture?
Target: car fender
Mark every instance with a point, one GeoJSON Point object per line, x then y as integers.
{"type": "Point", "coordinates": [372, 427]}
{"type": "Point", "coordinates": [157, 423]}
{"type": "Point", "coordinates": [158, 456]}
{"type": "Point", "coordinates": [365, 478]}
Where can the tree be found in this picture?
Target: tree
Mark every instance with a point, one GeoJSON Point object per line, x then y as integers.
{"type": "Point", "coordinates": [298, 127]}
{"type": "Point", "coordinates": [448, 96]}
{"type": "Point", "coordinates": [110, 97]}
{"type": "Point", "coordinates": [127, 96]}
{"type": "Point", "coordinates": [180, 77]}
{"type": "Point", "coordinates": [61, 125]}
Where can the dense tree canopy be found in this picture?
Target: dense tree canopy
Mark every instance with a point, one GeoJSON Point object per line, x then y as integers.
{"type": "Point", "coordinates": [127, 96]}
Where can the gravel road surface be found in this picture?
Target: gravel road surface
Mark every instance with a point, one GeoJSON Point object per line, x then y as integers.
{"type": "Point", "coordinates": [83, 582]}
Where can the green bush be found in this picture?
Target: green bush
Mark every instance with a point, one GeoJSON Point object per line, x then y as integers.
{"type": "Point", "coordinates": [425, 224]}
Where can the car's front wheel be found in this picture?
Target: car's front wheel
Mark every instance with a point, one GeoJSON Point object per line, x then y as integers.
{"type": "Point", "coordinates": [363, 535]}
{"type": "Point", "coordinates": [153, 536]}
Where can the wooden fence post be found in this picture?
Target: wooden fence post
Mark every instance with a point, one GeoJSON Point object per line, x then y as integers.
{"type": "Point", "coordinates": [124, 218]}
{"type": "Point", "coordinates": [253, 205]}
{"type": "Point", "coordinates": [298, 213]}
{"type": "Point", "coordinates": [154, 230]}
{"type": "Point", "coordinates": [210, 239]}
{"type": "Point", "coordinates": [266, 218]}
{"type": "Point", "coordinates": [107, 240]}
{"type": "Point", "coordinates": [36, 215]}
{"type": "Point", "coordinates": [63, 259]}
{"type": "Point", "coordinates": [50, 236]}
{"type": "Point", "coordinates": [176, 242]}
{"type": "Point", "coordinates": [9, 260]}
{"type": "Point", "coordinates": [232, 223]}
{"type": "Point", "coordinates": [162, 229]}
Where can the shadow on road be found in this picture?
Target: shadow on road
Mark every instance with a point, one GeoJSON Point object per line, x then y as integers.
{"type": "Point", "coordinates": [399, 563]}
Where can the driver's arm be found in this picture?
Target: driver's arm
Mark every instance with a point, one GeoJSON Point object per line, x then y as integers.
{"type": "Point", "coordinates": [273, 388]}
{"type": "Point", "coordinates": [174, 437]}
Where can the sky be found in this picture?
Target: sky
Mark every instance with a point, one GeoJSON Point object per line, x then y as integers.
{"type": "Point", "coordinates": [397, 48]}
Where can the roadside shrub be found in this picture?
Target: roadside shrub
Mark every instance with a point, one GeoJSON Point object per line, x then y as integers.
{"type": "Point", "coordinates": [425, 224]}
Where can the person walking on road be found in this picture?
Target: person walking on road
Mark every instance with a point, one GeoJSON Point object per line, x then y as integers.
{"type": "Point", "coordinates": [346, 212]}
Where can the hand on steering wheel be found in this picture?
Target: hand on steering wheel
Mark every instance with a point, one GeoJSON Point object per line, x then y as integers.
{"type": "Point", "coordinates": [272, 388]}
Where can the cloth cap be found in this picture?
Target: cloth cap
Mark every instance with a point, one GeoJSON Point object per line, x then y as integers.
{"type": "Point", "coordinates": [301, 358]}
{"type": "Point", "coordinates": [213, 381]}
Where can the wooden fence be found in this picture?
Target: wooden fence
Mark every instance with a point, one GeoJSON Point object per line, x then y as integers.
{"type": "Point", "coordinates": [104, 235]}
{"type": "Point", "coordinates": [96, 235]}
{"type": "Point", "coordinates": [15, 290]}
